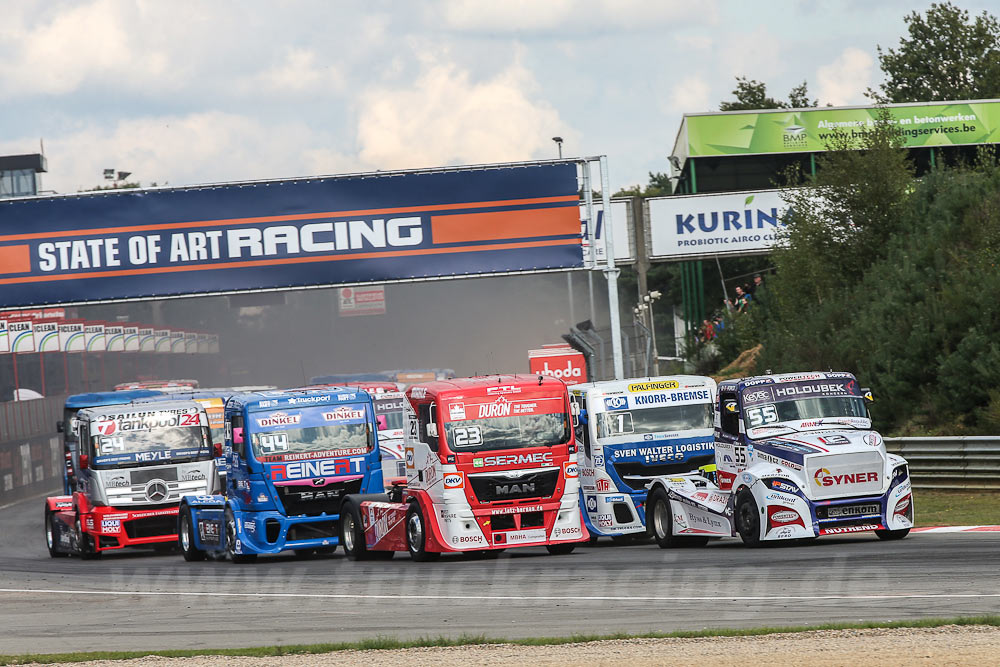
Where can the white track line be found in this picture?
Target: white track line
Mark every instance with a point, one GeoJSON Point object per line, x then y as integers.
{"type": "Point", "coordinates": [527, 598]}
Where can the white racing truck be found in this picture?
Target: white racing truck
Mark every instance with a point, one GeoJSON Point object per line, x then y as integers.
{"type": "Point", "coordinates": [795, 459]}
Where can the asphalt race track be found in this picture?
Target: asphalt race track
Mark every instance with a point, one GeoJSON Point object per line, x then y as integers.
{"type": "Point", "coordinates": [141, 600]}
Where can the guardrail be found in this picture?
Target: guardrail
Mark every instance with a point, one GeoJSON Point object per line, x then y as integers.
{"type": "Point", "coordinates": [951, 462]}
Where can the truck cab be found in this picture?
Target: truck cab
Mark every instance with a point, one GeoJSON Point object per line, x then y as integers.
{"type": "Point", "coordinates": [78, 402]}
{"type": "Point", "coordinates": [134, 462]}
{"type": "Point", "coordinates": [632, 431]}
{"type": "Point", "coordinates": [490, 463]}
{"type": "Point", "coordinates": [292, 457]}
{"type": "Point", "coordinates": [796, 458]}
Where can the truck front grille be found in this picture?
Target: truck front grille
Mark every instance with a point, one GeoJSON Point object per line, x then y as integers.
{"type": "Point", "coordinates": [313, 501]}
{"type": "Point", "coordinates": [489, 488]}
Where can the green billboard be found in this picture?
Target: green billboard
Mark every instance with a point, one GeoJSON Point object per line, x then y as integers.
{"type": "Point", "coordinates": [808, 130]}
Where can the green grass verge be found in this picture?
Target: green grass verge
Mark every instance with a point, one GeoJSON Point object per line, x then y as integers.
{"type": "Point", "coordinates": [956, 508]}
{"type": "Point", "coordinates": [389, 643]}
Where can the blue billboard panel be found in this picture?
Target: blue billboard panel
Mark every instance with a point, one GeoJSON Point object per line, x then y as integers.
{"type": "Point", "coordinates": [369, 228]}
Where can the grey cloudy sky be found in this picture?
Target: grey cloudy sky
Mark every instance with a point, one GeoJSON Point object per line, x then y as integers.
{"type": "Point", "coordinates": [204, 91]}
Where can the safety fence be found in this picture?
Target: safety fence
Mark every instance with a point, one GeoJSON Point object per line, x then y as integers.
{"type": "Point", "coordinates": [30, 449]}
{"type": "Point", "coordinates": [951, 462]}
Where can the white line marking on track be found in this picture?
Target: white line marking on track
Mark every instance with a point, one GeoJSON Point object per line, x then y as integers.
{"type": "Point", "coordinates": [526, 598]}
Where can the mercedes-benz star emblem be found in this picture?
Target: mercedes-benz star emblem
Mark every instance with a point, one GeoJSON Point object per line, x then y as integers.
{"type": "Point", "coordinates": [157, 491]}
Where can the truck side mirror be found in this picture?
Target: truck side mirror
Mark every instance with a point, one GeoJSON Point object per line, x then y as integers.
{"type": "Point", "coordinates": [867, 393]}
{"type": "Point", "coordinates": [217, 449]}
{"type": "Point", "coordinates": [84, 461]}
{"type": "Point", "coordinates": [729, 406]}
{"type": "Point", "coordinates": [432, 430]}
{"type": "Point", "coordinates": [74, 426]}
{"type": "Point", "coordinates": [237, 436]}
{"type": "Point", "coordinates": [60, 425]}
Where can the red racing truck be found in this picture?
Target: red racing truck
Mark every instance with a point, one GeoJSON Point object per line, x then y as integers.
{"type": "Point", "coordinates": [491, 463]}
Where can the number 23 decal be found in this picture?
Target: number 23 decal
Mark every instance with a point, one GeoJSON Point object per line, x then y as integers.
{"type": "Point", "coordinates": [467, 436]}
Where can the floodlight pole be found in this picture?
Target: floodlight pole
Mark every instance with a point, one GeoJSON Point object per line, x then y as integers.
{"type": "Point", "coordinates": [612, 274]}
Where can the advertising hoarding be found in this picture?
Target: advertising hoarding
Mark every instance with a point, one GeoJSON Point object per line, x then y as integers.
{"type": "Point", "coordinates": [809, 130]}
{"type": "Point", "coordinates": [740, 223]}
{"type": "Point", "coordinates": [341, 230]}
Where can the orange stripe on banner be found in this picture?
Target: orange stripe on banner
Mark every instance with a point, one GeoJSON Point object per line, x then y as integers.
{"type": "Point", "coordinates": [15, 259]}
{"type": "Point", "coordinates": [286, 260]}
{"type": "Point", "coordinates": [284, 218]}
{"type": "Point", "coordinates": [466, 227]}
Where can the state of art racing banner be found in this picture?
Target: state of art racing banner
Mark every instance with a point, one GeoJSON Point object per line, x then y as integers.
{"type": "Point", "coordinates": [367, 228]}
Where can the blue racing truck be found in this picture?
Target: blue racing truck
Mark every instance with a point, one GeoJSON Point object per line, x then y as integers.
{"type": "Point", "coordinates": [632, 431]}
{"type": "Point", "coordinates": [292, 456]}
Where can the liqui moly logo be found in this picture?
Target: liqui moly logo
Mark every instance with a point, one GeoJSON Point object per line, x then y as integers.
{"type": "Point", "coordinates": [279, 419]}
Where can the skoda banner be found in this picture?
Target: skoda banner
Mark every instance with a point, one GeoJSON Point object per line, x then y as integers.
{"type": "Point", "coordinates": [338, 230]}
{"type": "Point", "coordinates": [741, 223]}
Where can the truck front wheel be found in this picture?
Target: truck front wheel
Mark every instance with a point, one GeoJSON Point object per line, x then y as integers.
{"type": "Point", "coordinates": [352, 535]}
{"type": "Point", "coordinates": [85, 542]}
{"type": "Point", "coordinates": [892, 534]}
{"type": "Point", "coordinates": [659, 517]}
{"type": "Point", "coordinates": [185, 535]}
{"type": "Point", "coordinates": [51, 536]}
{"type": "Point", "coordinates": [231, 541]}
{"type": "Point", "coordinates": [416, 535]}
{"type": "Point", "coordinates": [747, 518]}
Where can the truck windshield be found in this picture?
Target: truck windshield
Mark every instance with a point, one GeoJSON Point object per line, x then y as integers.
{"type": "Point", "coordinates": [149, 437]}
{"type": "Point", "coordinates": [312, 432]}
{"type": "Point", "coordinates": [390, 414]}
{"type": "Point", "coordinates": [803, 409]}
{"type": "Point", "coordinates": [514, 432]}
{"type": "Point", "coordinates": [663, 419]}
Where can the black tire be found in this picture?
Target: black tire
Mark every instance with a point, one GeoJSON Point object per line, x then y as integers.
{"type": "Point", "coordinates": [660, 520]}
{"type": "Point", "coordinates": [237, 559]}
{"type": "Point", "coordinates": [592, 538]}
{"type": "Point", "coordinates": [85, 543]}
{"type": "Point", "coordinates": [185, 538]}
{"type": "Point", "coordinates": [747, 518]}
{"type": "Point", "coordinates": [560, 549]}
{"type": "Point", "coordinates": [890, 535]}
{"type": "Point", "coordinates": [50, 536]}
{"type": "Point", "coordinates": [416, 535]}
{"type": "Point", "coordinates": [352, 533]}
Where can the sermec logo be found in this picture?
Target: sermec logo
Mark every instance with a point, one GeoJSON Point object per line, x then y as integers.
{"type": "Point", "coordinates": [566, 367]}
{"type": "Point", "coordinates": [454, 480]}
{"type": "Point", "coordinates": [824, 478]}
{"type": "Point", "coordinates": [513, 459]}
